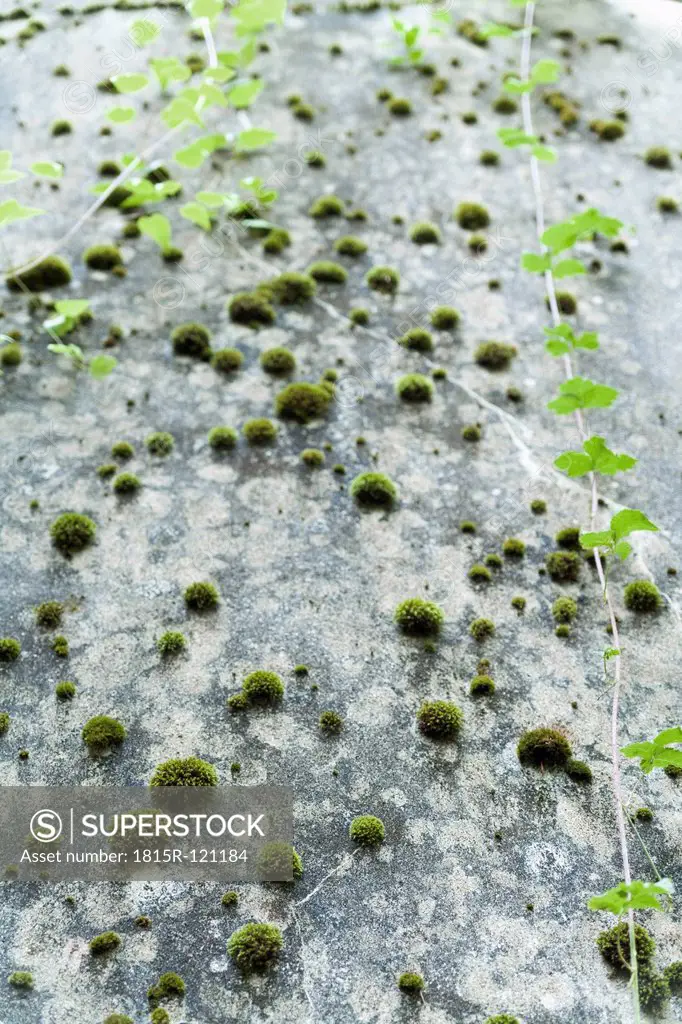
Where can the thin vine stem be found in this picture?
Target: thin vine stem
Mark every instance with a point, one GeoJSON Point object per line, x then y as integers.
{"type": "Point", "coordinates": [550, 288]}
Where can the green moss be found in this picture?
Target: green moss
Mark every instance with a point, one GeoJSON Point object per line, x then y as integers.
{"type": "Point", "coordinates": [327, 206]}
{"type": "Point", "coordinates": [503, 1018]}
{"type": "Point", "coordinates": [105, 943]}
{"type": "Point", "coordinates": [312, 457]}
{"type": "Point", "coordinates": [439, 719]}
{"type": "Point", "coordinates": [71, 532]}
{"type": "Point", "coordinates": [102, 731]}
{"type": "Point", "coordinates": [331, 723]}
{"type": "Point", "coordinates": [614, 946]}
{"type": "Point", "coordinates": [578, 770]}
{"type": "Point", "coordinates": [279, 858]}
{"type": "Point", "coordinates": [276, 241]}
{"type": "Point", "coordinates": [4, 722]}
{"type": "Point", "coordinates": [303, 112]}
{"type": "Point", "coordinates": [518, 602]}
{"type": "Point", "coordinates": [109, 169]}
{"type": "Point", "coordinates": [359, 316]}
{"type": "Point", "coordinates": [608, 131]}
{"type": "Point", "coordinates": [65, 690]}
{"type": "Point", "coordinates": [538, 506]}
{"type": "Point", "coordinates": [566, 302]}
{"type": "Point", "coordinates": [472, 216]}
{"type": "Point", "coordinates": [543, 748]}
{"type": "Point", "coordinates": [424, 233]}
{"type": "Point", "coordinates": [417, 339]}
{"type": "Point", "coordinates": [184, 771]}
{"type": "Point", "coordinates": [414, 387]}
{"type": "Point", "coordinates": [482, 686]}
{"type": "Point", "coordinates": [673, 771]}
{"type": "Point", "coordinates": [350, 245]}
{"type": "Point", "coordinates": [191, 339]}
{"type": "Point", "coordinates": [339, 469]}
{"type": "Point", "coordinates": [230, 898]}
{"type": "Point", "coordinates": [564, 609]}
{"type": "Point", "coordinates": [49, 614]}
{"type": "Point", "coordinates": [20, 979]}
{"type": "Point", "coordinates": [122, 450]}
{"type": "Point", "coordinates": [169, 986]}
{"type": "Point", "coordinates": [563, 566]}
{"type": "Point", "coordinates": [384, 94]}
{"type": "Point", "coordinates": [495, 355]}
{"type": "Point", "coordinates": [259, 431]}
{"type": "Point", "coordinates": [470, 117]}
{"type": "Point", "coordinates": [654, 990]}
{"type": "Point", "coordinates": [254, 947]}
{"type": "Point", "coordinates": [673, 975]}
{"type": "Point", "coordinates": [328, 272]}
{"type": "Point", "coordinates": [471, 432]}
{"type": "Point", "coordinates": [159, 1016]}
{"type": "Point", "coordinates": [642, 596]}
{"type": "Point", "coordinates": [439, 373]}
{"type": "Point", "coordinates": [482, 629]}
{"type": "Point", "coordinates": [227, 360]}
{"type": "Point", "coordinates": [374, 489]}
{"type": "Point", "coordinates": [658, 157]}
{"type": "Point", "coordinates": [102, 257]}
{"type": "Point", "coordinates": [10, 355]}
{"type": "Point", "coordinates": [398, 106]}
{"type": "Point", "coordinates": [411, 984]}
{"type": "Point", "coordinates": [644, 814]}
{"type": "Point", "coordinates": [222, 439]}
{"type": "Point", "coordinates": [126, 483]}
{"type": "Point", "coordinates": [493, 560]}
{"type": "Point", "coordinates": [171, 642]}
{"type": "Point", "coordinates": [251, 309]}
{"type": "Point", "coordinates": [52, 272]}
{"type": "Point", "coordinates": [513, 547]}
{"type": "Point", "coordinates": [470, 30]}
{"type": "Point", "coordinates": [263, 687]}
{"type": "Point", "coordinates": [383, 279]}
{"type": "Point", "coordinates": [439, 85]}
{"type": "Point", "coordinates": [292, 288]}
{"type": "Point", "coordinates": [106, 470]}
{"type": "Point", "coordinates": [366, 830]}
{"type": "Point", "coordinates": [160, 443]}
{"type": "Point", "coordinates": [417, 617]}
{"type": "Point", "coordinates": [237, 702]}
{"type": "Point", "coordinates": [514, 394]}
{"type": "Point", "coordinates": [479, 573]}
{"type": "Point", "coordinates": [505, 105]}
{"type": "Point", "coordinates": [60, 646]}
{"type": "Point", "coordinates": [444, 318]}
{"type": "Point", "coordinates": [202, 596]}
{"type": "Point", "coordinates": [314, 158]}
{"type": "Point", "coordinates": [666, 204]}
{"type": "Point", "coordinates": [302, 402]}
{"type": "Point", "coordinates": [489, 158]}
{"type": "Point", "coordinates": [62, 127]}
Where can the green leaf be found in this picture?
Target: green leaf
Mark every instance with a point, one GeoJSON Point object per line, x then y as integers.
{"type": "Point", "coordinates": [602, 539]}
{"type": "Point", "coordinates": [584, 225]}
{"type": "Point", "coordinates": [597, 458]}
{"type": "Point", "coordinates": [212, 95]}
{"type": "Point", "coordinates": [628, 521]}
{"type": "Point", "coordinates": [12, 210]}
{"type": "Point", "coordinates": [157, 227]}
{"type": "Point", "coordinates": [611, 652]}
{"type": "Point", "coordinates": [219, 74]}
{"type": "Point", "coordinates": [490, 29]}
{"type": "Point", "coordinates": [536, 263]}
{"type": "Point", "coordinates": [214, 200]}
{"type": "Point", "coordinates": [622, 549]}
{"type": "Point", "coordinates": [198, 214]}
{"type": "Point", "coordinates": [120, 115]}
{"type": "Point", "coordinates": [512, 137]}
{"type": "Point", "coordinates": [169, 69]}
{"type": "Point", "coordinates": [545, 71]}
{"type": "Point", "coordinates": [131, 82]}
{"type": "Point", "coordinates": [205, 8]}
{"type": "Point", "coordinates": [74, 352]}
{"type": "Point", "coordinates": [569, 268]}
{"type": "Point", "coordinates": [587, 340]}
{"type": "Point", "coordinates": [7, 175]}
{"type": "Point", "coordinates": [253, 138]}
{"type": "Point", "coordinates": [48, 169]}
{"type": "Point", "coordinates": [143, 31]}
{"type": "Point", "coordinates": [255, 15]}
{"type": "Point", "coordinates": [579, 393]}
{"type": "Point", "coordinates": [656, 754]}
{"type": "Point", "coordinates": [72, 307]}
{"type": "Point", "coordinates": [557, 348]}
{"type": "Point", "coordinates": [515, 86]}
{"type": "Point", "coordinates": [180, 111]}
{"type": "Point", "coordinates": [673, 735]}
{"type": "Point", "coordinates": [101, 366]}
{"type": "Point", "coordinates": [194, 155]}
{"type": "Point", "coordinates": [574, 463]}
{"type": "Point", "coordinates": [635, 896]}
{"type": "Point", "coordinates": [544, 153]}
{"type": "Point", "coordinates": [244, 93]}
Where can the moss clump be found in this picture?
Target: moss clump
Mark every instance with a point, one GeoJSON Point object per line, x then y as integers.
{"type": "Point", "coordinates": [102, 731]}
{"type": "Point", "coordinates": [222, 439]}
{"type": "Point", "coordinates": [564, 609]}
{"type": "Point", "coordinates": [518, 602]}
{"type": "Point", "coordinates": [20, 979]}
{"type": "Point", "coordinates": [673, 975]}
{"type": "Point", "coordinates": [312, 457]}
{"type": "Point", "coordinates": [578, 770]}
{"type": "Point", "coordinates": [563, 566]}
{"type": "Point", "coordinates": [482, 686]}
{"type": "Point", "coordinates": [331, 723]}
{"type": "Point", "coordinates": [471, 432]}
{"type": "Point", "coordinates": [303, 111]}
{"type": "Point", "coordinates": [472, 216]}
{"type": "Point", "coordinates": [159, 1016]}
{"type": "Point", "coordinates": [171, 642]}
{"type": "Point", "coordinates": [4, 722]}
{"type": "Point", "coordinates": [260, 431]}
{"type": "Point", "coordinates": [566, 302]}
{"type": "Point", "coordinates": [414, 387]}
{"type": "Point", "coordinates": [327, 206]}
{"type": "Point", "coordinates": [291, 288]}
{"type": "Point", "coordinates": [10, 355]}
{"type": "Point", "coordinates": [366, 830]}
{"type": "Point", "coordinates": [131, 230]}
{"type": "Point", "coordinates": [314, 158]}
{"type": "Point", "coordinates": [184, 771]}
{"type": "Point", "coordinates": [503, 1018]}
{"type": "Point", "coordinates": [65, 690]}
{"type": "Point", "coordinates": [328, 272]}
{"type": "Point", "coordinates": [102, 257]}
{"type": "Point", "coordinates": [350, 245]}
{"type": "Point", "coordinates": [71, 532]}
{"type": "Point", "coordinates": [399, 107]}
{"type": "Point", "coordinates": [160, 443]}
{"type": "Point", "coordinates": [263, 687]}
{"type": "Point", "coordinates": [302, 402]}
{"type": "Point", "coordinates": [608, 131]}
{"type": "Point", "coordinates": [374, 489]}
{"type": "Point", "coordinates": [417, 617]}
{"type": "Point", "coordinates": [425, 233]}
{"type": "Point", "coordinates": [563, 630]}
{"type": "Point", "coordinates": [60, 646]}
{"type": "Point", "coordinates": [513, 547]}
{"type": "Point", "coordinates": [126, 483]}
{"type": "Point", "coordinates": [482, 629]}
{"type": "Point", "coordinates": [489, 158]}
{"type": "Point", "coordinates": [544, 748]}
{"type": "Point", "coordinates": [250, 308]}
{"type": "Point", "coordinates": [505, 105]}
{"type": "Point", "coordinates": [49, 614]}
{"type": "Point", "coordinates": [642, 596]}
{"type": "Point", "coordinates": [201, 596]}
{"type": "Point", "coordinates": [644, 814]}
{"type": "Point", "coordinates": [169, 986]}
{"type": "Point", "coordinates": [444, 318]}
{"type": "Point", "coordinates": [254, 947]}
{"type": "Point", "coordinates": [494, 355]}
{"type": "Point", "coordinates": [479, 573]}
{"type": "Point", "coordinates": [227, 360]}
{"type": "Point", "coordinates": [673, 771]}
{"type": "Point", "coordinates": [383, 279]}
{"type": "Point", "coordinates": [654, 990]}
{"type": "Point", "coordinates": [191, 339]}
{"type": "Point", "coordinates": [230, 898]}
{"type": "Point", "coordinates": [359, 316]}
{"type": "Point", "coordinates": [569, 537]}
{"type": "Point", "coordinates": [106, 470]}
{"type": "Point", "coordinates": [105, 943]}
{"type": "Point", "coordinates": [417, 339]}
{"type": "Point", "coordinates": [52, 272]}
{"type": "Point", "coordinates": [538, 506]}
{"type": "Point", "coordinates": [614, 946]}
{"type": "Point", "coordinates": [439, 719]}
{"type": "Point", "coordinates": [122, 450]}
{"type": "Point", "coordinates": [276, 241]}
{"type": "Point", "coordinates": [279, 858]}
{"type": "Point", "coordinates": [62, 127]}
{"type": "Point", "coordinates": [493, 560]}
{"type": "Point", "coordinates": [410, 983]}
{"type": "Point", "coordinates": [666, 204]}
{"type": "Point", "coordinates": [658, 157]}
